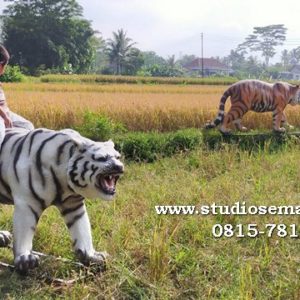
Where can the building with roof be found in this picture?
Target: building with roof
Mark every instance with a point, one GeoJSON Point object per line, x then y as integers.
{"type": "Point", "coordinates": [295, 71]}
{"type": "Point", "coordinates": [292, 74]}
{"type": "Point", "coordinates": [211, 66]}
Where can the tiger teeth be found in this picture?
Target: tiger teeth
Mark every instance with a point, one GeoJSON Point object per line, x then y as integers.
{"type": "Point", "coordinates": [110, 177]}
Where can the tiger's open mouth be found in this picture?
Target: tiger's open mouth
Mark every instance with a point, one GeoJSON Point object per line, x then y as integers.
{"type": "Point", "coordinates": [107, 183]}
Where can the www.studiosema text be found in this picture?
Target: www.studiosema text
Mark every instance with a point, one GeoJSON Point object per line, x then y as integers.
{"type": "Point", "coordinates": [238, 208]}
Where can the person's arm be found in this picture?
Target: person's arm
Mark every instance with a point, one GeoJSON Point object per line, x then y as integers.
{"type": "Point", "coordinates": [6, 118]}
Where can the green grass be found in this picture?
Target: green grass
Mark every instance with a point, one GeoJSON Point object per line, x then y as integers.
{"type": "Point", "coordinates": [123, 79]}
{"type": "Point", "coordinates": [103, 79]}
{"type": "Point", "coordinates": [176, 257]}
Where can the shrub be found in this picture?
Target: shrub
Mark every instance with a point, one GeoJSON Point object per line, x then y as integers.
{"type": "Point", "coordinates": [147, 147]}
{"type": "Point", "coordinates": [141, 146]}
{"type": "Point", "coordinates": [182, 140]}
{"type": "Point", "coordinates": [12, 74]}
{"type": "Point", "coordinates": [98, 127]}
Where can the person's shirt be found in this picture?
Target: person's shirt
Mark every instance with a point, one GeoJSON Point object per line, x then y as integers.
{"type": "Point", "coordinates": [3, 103]}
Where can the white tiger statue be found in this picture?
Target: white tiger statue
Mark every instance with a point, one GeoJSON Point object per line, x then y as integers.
{"type": "Point", "coordinates": [43, 167]}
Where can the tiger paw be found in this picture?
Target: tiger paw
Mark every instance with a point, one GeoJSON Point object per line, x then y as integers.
{"type": "Point", "coordinates": [5, 238]}
{"type": "Point", "coordinates": [289, 127]}
{"type": "Point", "coordinates": [97, 259]}
{"type": "Point", "coordinates": [224, 130]}
{"type": "Point", "coordinates": [25, 262]}
{"type": "Point", "coordinates": [226, 133]}
{"type": "Point", "coordinates": [244, 129]}
{"type": "Point", "coordinates": [280, 130]}
{"type": "Point", "coordinates": [209, 125]}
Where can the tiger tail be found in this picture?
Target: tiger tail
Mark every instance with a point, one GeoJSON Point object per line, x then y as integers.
{"type": "Point", "coordinates": [219, 119]}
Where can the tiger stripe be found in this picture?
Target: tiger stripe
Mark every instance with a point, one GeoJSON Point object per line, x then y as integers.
{"type": "Point", "coordinates": [3, 183]}
{"type": "Point", "coordinates": [58, 188]}
{"type": "Point", "coordinates": [94, 170]}
{"type": "Point", "coordinates": [66, 211]}
{"type": "Point", "coordinates": [18, 153]}
{"type": "Point", "coordinates": [73, 173]}
{"type": "Point", "coordinates": [75, 219]}
{"type": "Point", "coordinates": [35, 214]}
{"type": "Point", "coordinates": [85, 169]}
{"type": "Point", "coordinates": [39, 199]}
{"type": "Point", "coordinates": [36, 132]}
{"type": "Point", "coordinates": [39, 155]}
{"type": "Point", "coordinates": [60, 151]}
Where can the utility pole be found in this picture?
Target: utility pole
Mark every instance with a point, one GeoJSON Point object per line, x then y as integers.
{"type": "Point", "coordinates": [202, 67]}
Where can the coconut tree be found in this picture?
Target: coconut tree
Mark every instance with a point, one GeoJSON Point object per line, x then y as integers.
{"type": "Point", "coordinates": [119, 50]}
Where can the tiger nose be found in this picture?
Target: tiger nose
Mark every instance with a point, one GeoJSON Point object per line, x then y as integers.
{"type": "Point", "coordinates": [118, 167]}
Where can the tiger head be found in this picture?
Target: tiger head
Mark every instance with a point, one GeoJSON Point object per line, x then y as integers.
{"type": "Point", "coordinates": [94, 169]}
{"type": "Point", "coordinates": [294, 95]}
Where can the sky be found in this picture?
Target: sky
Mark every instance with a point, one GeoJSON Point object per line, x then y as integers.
{"type": "Point", "coordinates": [174, 26]}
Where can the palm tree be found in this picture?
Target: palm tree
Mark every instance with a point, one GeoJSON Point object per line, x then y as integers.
{"type": "Point", "coordinates": [285, 58]}
{"type": "Point", "coordinates": [119, 49]}
{"type": "Point", "coordinates": [295, 56]}
{"type": "Point", "coordinates": [171, 61]}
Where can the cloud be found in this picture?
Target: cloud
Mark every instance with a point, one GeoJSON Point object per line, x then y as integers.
{"type": "Point", "coordinates": [174, 26]}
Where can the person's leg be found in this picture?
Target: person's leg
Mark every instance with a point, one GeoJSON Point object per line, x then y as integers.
{"type": "Point", "coordinates": [19, 121]}
{"type": "Point", "coordinates": [2, 130]}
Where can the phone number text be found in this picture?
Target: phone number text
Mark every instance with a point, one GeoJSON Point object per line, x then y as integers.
{"type": "Point", "coordinates": [254, 230]}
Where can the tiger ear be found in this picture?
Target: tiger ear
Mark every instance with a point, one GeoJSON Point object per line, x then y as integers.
{"type": "Point", "coordinates": [80, 141]}
{"type": "Point", "coordinates": [110, 143]}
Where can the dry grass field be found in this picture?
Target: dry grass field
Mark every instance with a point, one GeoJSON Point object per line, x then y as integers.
{"type": "Point", "coordinates": [138, 107]}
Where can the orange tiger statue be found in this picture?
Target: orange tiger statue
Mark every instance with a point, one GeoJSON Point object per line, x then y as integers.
{"type": "Point", "coordinates": [257, 96]}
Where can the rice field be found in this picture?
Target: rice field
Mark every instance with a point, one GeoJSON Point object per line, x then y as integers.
{"type": "Point", "coordinates": [138, 107]}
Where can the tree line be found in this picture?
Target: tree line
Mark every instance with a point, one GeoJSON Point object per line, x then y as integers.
{"type": "Point", "coordinates": [52, 36]}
